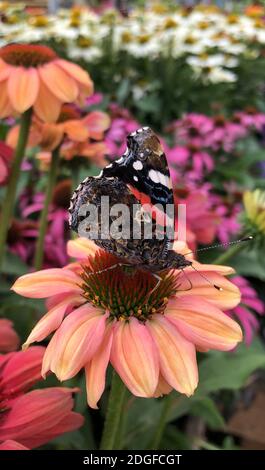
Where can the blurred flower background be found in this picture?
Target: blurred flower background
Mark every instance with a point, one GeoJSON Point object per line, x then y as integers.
{"type": "Point", "coordinates": [73, 84]}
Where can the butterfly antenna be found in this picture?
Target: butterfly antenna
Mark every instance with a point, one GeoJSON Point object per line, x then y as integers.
{"type": "Point", "coordinates": [220, 245]}
{"type": "Point", "coordinates": [206, 279]}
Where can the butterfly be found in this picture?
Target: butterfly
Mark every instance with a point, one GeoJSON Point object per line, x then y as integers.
{"type": "Point", "coordinates": [140, 178]}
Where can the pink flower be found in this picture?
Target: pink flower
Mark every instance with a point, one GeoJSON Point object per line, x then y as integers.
{"type": "Point", "coordinates": [23, 234]}
{"type": "Point", "coordinates": [150, 340]}
{"type": "Point", "coordinates": [122, 124]}
{"type": "Point", "coordinates": [201, 220]}
{"type": "Point", "coordinates": [30, 419]}
{"type": "Point", "coordinates": [9, 339]}
{"type": "Point", "coordinates": [6, 155]}
{"type": "Point", "coordinates": [244, 312]}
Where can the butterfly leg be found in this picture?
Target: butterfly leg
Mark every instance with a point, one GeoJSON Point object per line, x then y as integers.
{"type": "Point", "coordinates": [188, 279]}
{"type": "Point", "coordinates": [114, 266]}
{"type": "Point", "coordinates": [159, 279]}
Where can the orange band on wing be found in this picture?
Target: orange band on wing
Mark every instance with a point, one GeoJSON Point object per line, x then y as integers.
{"type": "Point", "coordinates": [156, 213]}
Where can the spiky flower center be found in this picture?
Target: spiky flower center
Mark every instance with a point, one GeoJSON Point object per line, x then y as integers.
{"type": "Point", "coordinates": [124, 290]}
{"type": "Point", "coordinates": [27, 55]}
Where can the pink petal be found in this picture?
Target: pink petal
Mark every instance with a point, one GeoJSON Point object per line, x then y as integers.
{"type": "Point", "coordinates": [228, 297]}
{"type": "Point", "coordinates": [177, 355]}
{"type": "Point", "coordinates": [37, 416]}
{"type": "Point", "coordinates": [46, 283]}
{"type": "Point", "coordinates": [81, 248]}
{"type": "Point", "coordinates": [96, 370]}
{"type": "Point", "coordinates": [12, 445]}
{"type": "Point", "coordinates": [203, 324]}
{"type": "Point", "coordinates": [75, 342]}
{"type": "Point", "coordinates": [53, 318]}
{"type": "Point", "coordinates": [134, 356]}
{"type": "Point", "coordinates": [23, 88]}
{"type": "Point", "coordinates": [9, 339]}
{"type": "Point", "coordinates": [22, 370]}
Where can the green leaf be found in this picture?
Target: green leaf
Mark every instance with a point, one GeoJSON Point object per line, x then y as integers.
{"type": "Point", "coordinates": [206, 409]}
{"type": "Point", "coordinates": [250, 263]}
{"type": "Point", "coordinates": [174, 439]}
{"type": "Point", "coordinates": [14, 265]}
{"type": "Point", "coordinates": [230, 371]}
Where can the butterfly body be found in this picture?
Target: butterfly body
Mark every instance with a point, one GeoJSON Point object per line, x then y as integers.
{"type": "Point", "coordinates": [140, 180]}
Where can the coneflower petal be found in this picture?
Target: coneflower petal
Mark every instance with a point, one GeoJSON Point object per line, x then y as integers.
{"type": "Point", "coordinates": [134, 356]}
{"type": "Point", "coordinates": [177, 355]}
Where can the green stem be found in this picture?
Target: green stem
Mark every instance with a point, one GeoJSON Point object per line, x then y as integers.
{"type": "Point", "coordinates": [160, 428]}
{"type": "Point", "coordinates": [44, 214]}
{"type": "Point", "coordinates": [9, 201]}
{"type": "Point", "coordinates": [114, 412]}
{"type": "Point", "coordinates": [224, 257]}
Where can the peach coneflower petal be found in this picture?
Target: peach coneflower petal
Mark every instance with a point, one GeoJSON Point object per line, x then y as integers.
{"type": "Point", "coordinates": [203, 324]}
{"type": "Point", "coordinates": [163, 388]}
{"type": "Point", "coordinates": [5, 105]}
{"type": "Point", "coordinates": [96, 370]}
{"type": "Point", "coordinates": [5, 70]}
{"type": "Point", "coordinates": [47, 106]}
{"type": "Point", "coordinates": [46, 283]}
{"type": "Point", "coordinates": [52, 135]}
{"type": "Point", "coordinates": [52, 319]}
{"type": "Point", "coordinates": [177, 355]}
{"type": "Point", "coordinates": [81, 248]}
{"type": "Point", "coordinates": [77, 73]}
{"type": "Point", "coordinates": [23, 88]}
{"type": "Point", "coordinates": [76, 130]}
{"type": "Point", "coordinates": [226, 298]}
{"type": "Point", "coordinates": [59, 82]}
{"type": "Point", "coordinates": [75, 342]}
{"type": "Point", "coordinates": [135, 358]}
{"type": "Point", "coordinates": [97, 122]}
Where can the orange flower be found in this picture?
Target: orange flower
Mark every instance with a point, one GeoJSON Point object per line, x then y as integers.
{"type": "Point", "coordinates": [150, 338]}
{"type": "Point", "coordinates": [82, 135]}
{"type": "Point", "coordinates": [34, 76]}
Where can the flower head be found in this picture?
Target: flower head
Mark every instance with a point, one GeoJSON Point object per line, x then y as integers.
{"type": "Point", "coordinates": [78, 135]}
{"type": "Point", "coordinates": [30, 419]}
{"type": "Point", "coordinates": [34, 76]}
{"type": "Point", "coordinates": [114, 315]}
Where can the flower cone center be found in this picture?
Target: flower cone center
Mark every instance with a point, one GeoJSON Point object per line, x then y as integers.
{"type": "Point", "coordinates": [27, 55]}
{"type": "Point", "coordinates": [125, 291]}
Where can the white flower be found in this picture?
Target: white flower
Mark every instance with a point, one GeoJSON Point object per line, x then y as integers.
{"type": "Point", "coordinates": [219, 75]}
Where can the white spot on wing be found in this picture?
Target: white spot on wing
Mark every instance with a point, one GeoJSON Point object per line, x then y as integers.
{"type": "Point", "coordinates": [158, 177]}
{"type": "Point", "coordinates": [137, 165]}
{"type": "Point", "coordinates": [135, 178]}
{"type": "Point", "coordinates": [154, 176]}
{"type": "Point", "coordinates": [100, 174]}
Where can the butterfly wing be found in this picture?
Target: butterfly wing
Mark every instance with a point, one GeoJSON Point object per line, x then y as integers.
{"type": "Point", "coordinates": [140, 176]}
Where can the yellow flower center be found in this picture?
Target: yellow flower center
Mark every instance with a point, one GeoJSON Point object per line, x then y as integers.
{"type": "Point", "coordinates": [84, 42]}
{"type": "Point", "coordinates": [38, 21]}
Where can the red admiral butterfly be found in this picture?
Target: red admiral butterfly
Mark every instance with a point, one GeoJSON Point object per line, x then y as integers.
{"type": "Point", "coordinates": [140, 176]}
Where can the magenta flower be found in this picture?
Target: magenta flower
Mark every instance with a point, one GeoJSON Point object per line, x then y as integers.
{"type": "Point", "coordinates": [6, 154]}
{"type": "Point", "coordinates": [31, 418]}
{"type": "Point", "coordinates": [244, 312]}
